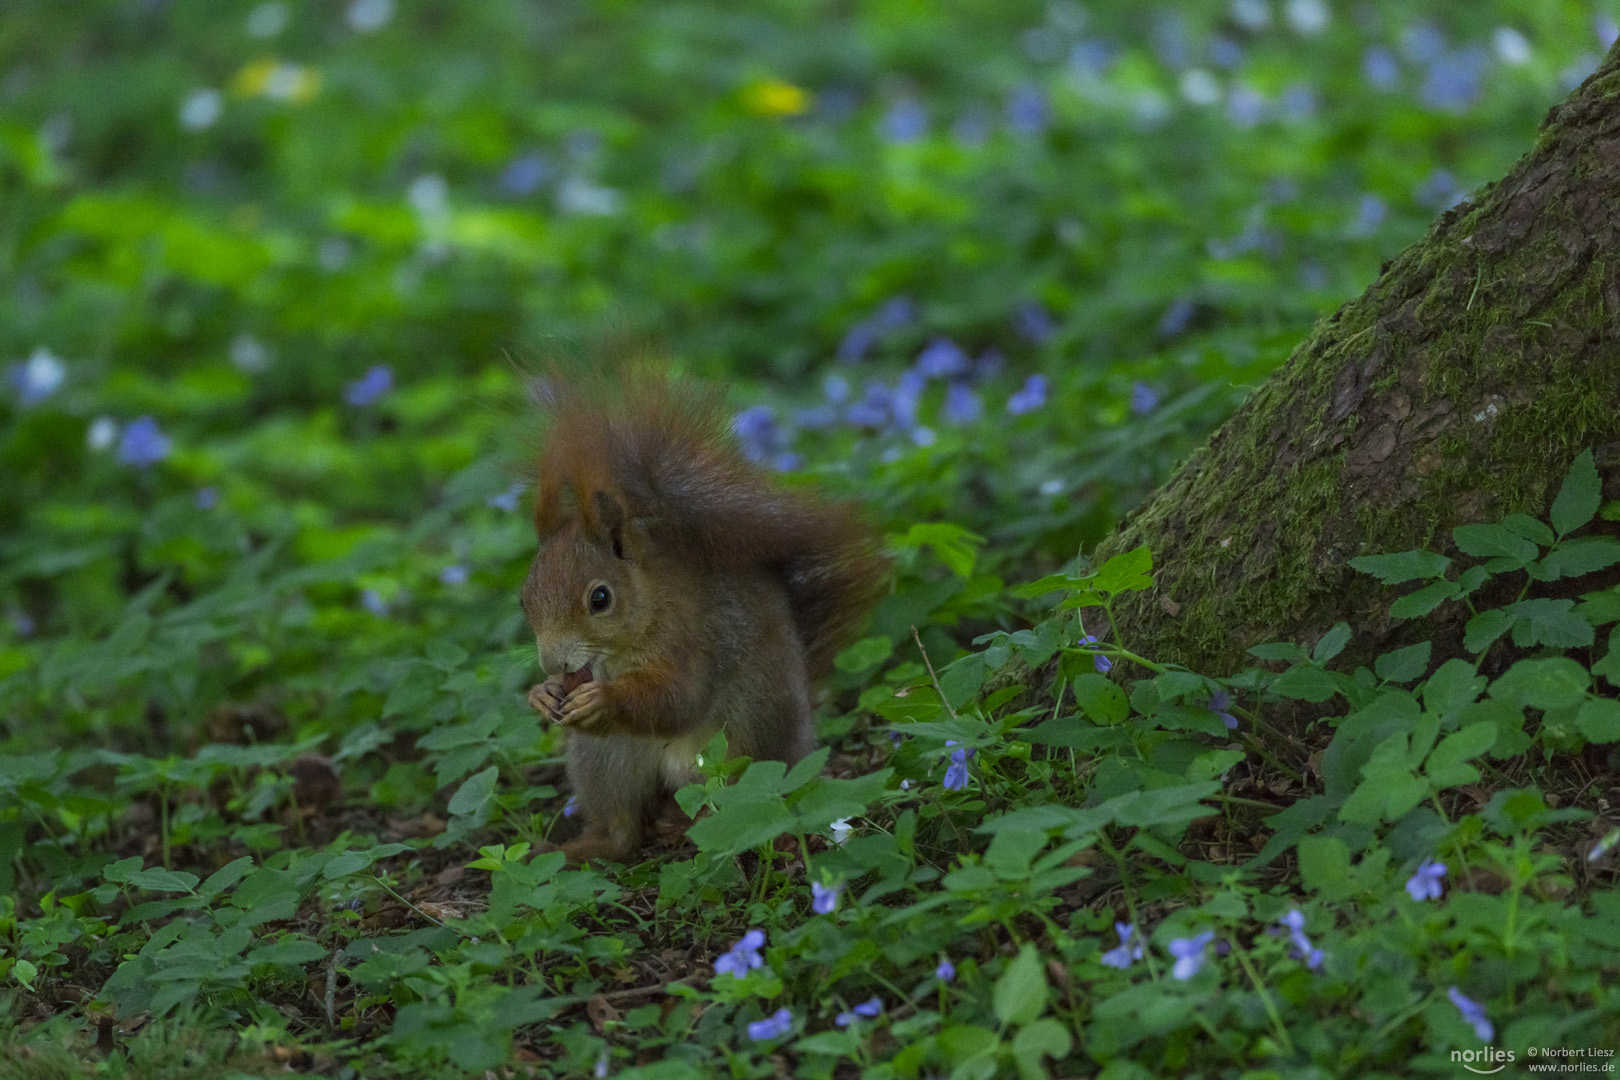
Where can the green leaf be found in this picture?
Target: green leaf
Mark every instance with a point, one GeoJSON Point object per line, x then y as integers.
{"type": "Point", "coordinates": [1125, 572]}
{"type": "Point", "coordinates": [1485, 628]}
{"type": "Point", "coordinates": [1305, 682]}
{"type": "Point", "coordinates": [1403, 567]}
{"type": "Point", "coordinates": [1019, 996]}
{"type": "Point", "coordinates": [1278, 650]}
{"type": "Point", "coordinates": [1531, 529]}
{"type": "Point", "coordinates": [1332, 643]}
{"type": "Point", "coordinates": [1608, 667]}
{"type": "Point", "coordinates": [226, 876]}
{"type": "Point", "coordinates": [864, 655]}
{"type": "Point", "coordinates": [1044, 1038]}
{"type": "Point", "coordinates": [1446, 765]}
{"type": "Point", "coordinates": [1599, 720]}
{"type": "Point", "coordinates": [1403, 665]}
{"type": "Point", "coordinates": [1544, 683]}
{"type": "Point", "coordinates": [1424, 600]}
{"type": "Point", "coordinates": [1453, 685]}
{"type": "Point", "coordinates": [158, 879]}
{"type": "Point", "coordinates": [1546, 621]}
{"type": "Point", "coordinates": [1051, 583]}
{"type": "Point", "coordinates": [956, 547]}
{"type": "Point", "coordinates": [1324, 866]}
{"type": "Point", "coordinates": [1579, 497]}
{"type": "Point", "coordinates": [1494, 541]}
{"type": "Point", "coordinates": [1102, 701]}
{"type": "Point", "coordinates": [473, 796]}
{"type": "Point", "coordinates": [352, 862]}
{"type": "Point", "coordinates": [1584, 556]}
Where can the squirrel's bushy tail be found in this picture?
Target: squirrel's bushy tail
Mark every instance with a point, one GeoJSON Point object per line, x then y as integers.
{"type": "Point", "coordinates": [664, 448]}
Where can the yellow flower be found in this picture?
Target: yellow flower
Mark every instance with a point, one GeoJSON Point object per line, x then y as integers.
{"type": "Point", "coordinates": [772, 97]}
{"type": "Point", "coordinates": [277, 80]}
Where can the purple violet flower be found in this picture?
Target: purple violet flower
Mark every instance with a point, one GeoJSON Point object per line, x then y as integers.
{"type": "Point", "coordinates": [823, 898]}
{"type": "Point", "coordinates": [1190, 954]}
{"type": "Point", "coordinates": [1029, 397]}
{"type": "Point", "coordinates": [942, 358]}
{"type": "Point", "coordinates": [370, 387]}
{"type": "Point", "coordinates": [743, 956]}
{"type": "Point", "coordinates": [1127, 952]}
{"type": "Point", "coordinates": [962, 404]}
{"type": "Point", "coordinates": [956, 776]}
{"type": "Point", "coordinates": [1144, 399]}
{"type": "Point", "coordinates": [1219, 702]}
{"type": "Point", "coordinates": [773, 1026]}
{"type": "Point", "coordinates": [142, 444]}
{"type": "Point", "coordinates": [1474, 1013]}
{"type": "Point", "coordinates": [1294, 923]}
{"type": "Point", "coordinates": [1425, 883]}
{"type": "Point", "coordinates": [946, 971]}
{"type": "Point", "coordinates": [870, 1008]}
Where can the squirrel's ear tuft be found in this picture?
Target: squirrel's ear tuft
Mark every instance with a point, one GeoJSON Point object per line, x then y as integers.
{"type": "Point", "coordinates": [611, 521]}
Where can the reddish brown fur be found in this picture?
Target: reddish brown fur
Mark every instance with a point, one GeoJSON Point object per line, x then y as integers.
{"type": "Point", "coordinates": [728, 593]}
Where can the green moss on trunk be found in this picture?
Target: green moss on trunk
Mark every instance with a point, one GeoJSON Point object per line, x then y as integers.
{"type": "Point", "coordinates": [1457, 388]}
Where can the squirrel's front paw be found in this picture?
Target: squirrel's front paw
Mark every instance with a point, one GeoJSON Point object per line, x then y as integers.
{"type": "Point", "coordinates": [547, 698]}
{"type": "Point", "coordinates": [584, 708]}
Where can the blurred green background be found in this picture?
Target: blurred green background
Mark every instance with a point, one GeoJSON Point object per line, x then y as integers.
{"type": "Point", "coordinates": [272, 273]}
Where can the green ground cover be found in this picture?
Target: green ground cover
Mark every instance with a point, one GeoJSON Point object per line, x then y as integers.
{"type": "Point", "coordinates": [270, 796]}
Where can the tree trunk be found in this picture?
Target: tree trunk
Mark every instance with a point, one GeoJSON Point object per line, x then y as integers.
{"type": "Point", "coordinates": [1457, 388]}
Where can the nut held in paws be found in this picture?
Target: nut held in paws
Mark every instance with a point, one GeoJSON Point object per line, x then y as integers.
{"type": "Point", "coordinates": [573, 680]}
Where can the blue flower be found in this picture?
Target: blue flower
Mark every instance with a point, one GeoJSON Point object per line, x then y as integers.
{"type": "Point", "coordinates": [571, 807]}
{"type": "Point", "coordinates": [37, 378]}
{"type": "Point", "coordinates": [1298, 102]}
{"type": "Point", "coordinates": [895, 313]}
{"type": "Point", "coordinates": [524, 175]}
{"type": "Point", "coordinates": [857, 341]}
{"type": "Point", "coordinates": [1225, 52]}
{"type": "Point", "coordinates": [1093, 56]}
{"type": "Point", "coordinates": [142, 444]}
{"type": "Point", "coordinates": [1029, 397]}
{"type": "Point", "coordinates": [870, 1008]}
{"type": "Point", "coordinates": [207, 498]}
{"type": "Point", "coordinates": [1422, 42]}
{"type": "Point", "coordinates": [905, 399]}
{"type": "Point", "coordinates": [372, 601]}
{"type": "Point", "coordinates": [835, 388]}
{"type": "Point", "coordinates": [1438, 191]}
{"type": "Point", "coordinates": [1028, 112]}
{"type": "Point", "coordinates": [946, 971]}
{"type": "Point", "coordinates": [370, 387]}
{"type": "Point", "coordinates": [1245, 106]}
{"type": "Point", "coordinates": [756, 430]}
{"type": "Point", "coordinates": [23, 623]}
{"type": "Point", "coordinates": [1219, 702]}
{"type": "Point", "coordinates": [773, 1026]}
{"type": "Point", "coordinates": [905, 121]}
{"type": "Point", "coordinates": [453, 575]}
{"type": "Point", "coordinates": [1102, 663]}
{"type": "Point", "coordinates": [942, 358]}
{"type": "Point", "coordinates": [1294, 923]}
{"type": "Point", "coordinates": [1455, 79]}
{"type": "Point", "coordinates": [873, 409]}
{"type": "Point", "coordinates": [1600, 849]}
{"type": "Point", "coordinates": [1474, 1013]}
{"type": "Point", "coordinates": [1034, 322]}
{"type": "Point", "coordinates": [506, 500]}
{"type": "Point", "coordinates": [823, 898]}
{"type": "Point", "coordinates": [962, 404]}
{"type": "Point", "coordinates": [743, 956]}
{"type": "Point", "coordinates": [1127, 952]}
{"type": "Point", "coordinates": [1379, 68]}
{"type": "Point", "coordinates": [1144, 399]}
{"type": "Point", "coordinates": [1425, 884]}
{"type": "Point", "coordinates": [956, 775]}
{"type": "Point", "coordinates": [1176, 318]}
{"type": "Point", "coordinates": [1370, 213]}
{"type": "Point", "coordinates": [1189, 954]}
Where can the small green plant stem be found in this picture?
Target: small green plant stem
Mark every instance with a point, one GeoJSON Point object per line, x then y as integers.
{"type": "Point", "coordinates": [385, 887]}
{"type": "Point", "coordinates": [929, 664]}
{"type": "Point", "coordinates": [1277, 1024]}
{"type": "Point", "coordinates": [163, 820]}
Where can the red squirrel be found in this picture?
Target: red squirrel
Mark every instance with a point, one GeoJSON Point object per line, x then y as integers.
{"type": "Point", "coordinates": [678, 590]}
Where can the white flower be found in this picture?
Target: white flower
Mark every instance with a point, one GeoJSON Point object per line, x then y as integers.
{"type": "Point", "coordinates": [267, 20]}
{"type": "Point", "coordinates": [365, 16]}
{"type": "Point", "coordinates": [201, 109]}
{"type": "Point", "coordinates": [103, 432]}
{"type": "Point", "coordinates": [1200, 87]}
{"type": "Point", "coordinates": [841, 830]}
{"type": "Point", "coordinates": [1308, 17]}
{"type": "Point", "coordinates": [1511, 46]}
{"type": "Point", "coordinates": [249, 354]}
{"type": "Point", "coordinates": [38, 377]}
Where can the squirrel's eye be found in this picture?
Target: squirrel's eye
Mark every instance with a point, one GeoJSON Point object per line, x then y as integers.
{"type": "Point", "coordinates": [601, 599]}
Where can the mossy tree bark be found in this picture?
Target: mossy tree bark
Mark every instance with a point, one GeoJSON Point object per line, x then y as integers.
{"type": "Point", "coordinates": [1457, 388]}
